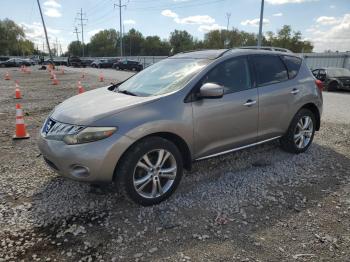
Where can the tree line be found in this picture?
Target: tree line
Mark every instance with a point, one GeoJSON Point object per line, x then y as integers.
{"type": "Point", "coordinates": [107, 42]}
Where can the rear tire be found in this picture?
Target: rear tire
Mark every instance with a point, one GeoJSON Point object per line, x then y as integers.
{"type": "Point", "coordinates": [300, 133]}
{"type": "Point", "coordinates": [333, 86]}
{"type": "Point", "coordinates": [150, 171]}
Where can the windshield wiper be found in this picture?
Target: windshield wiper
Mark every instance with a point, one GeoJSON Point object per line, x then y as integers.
{"type": "Point", "coordinates": [126, 92]}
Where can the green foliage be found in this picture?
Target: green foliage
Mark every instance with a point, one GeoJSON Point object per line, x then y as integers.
{"type": "Point", "coordinates": [181, 41]}
{"type": "Point", "coordinates": [104, 43]}
{"type": "Point", "coordinates": [12, 39]}
{"type": "Point", "coordinates": [289, 39]}
{"type": "Point", "coordinates": [75, 48]}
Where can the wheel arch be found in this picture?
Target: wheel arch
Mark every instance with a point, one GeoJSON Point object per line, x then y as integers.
{"type": "Point", "coordinates": [175, 139]}
{"type": "Point", "coordinates": [314, 109]}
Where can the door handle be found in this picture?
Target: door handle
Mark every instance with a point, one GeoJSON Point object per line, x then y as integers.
{"type": "Point", "coordinates": [295, 91]}
{"type": "Point", "coordinates": [250, 102]}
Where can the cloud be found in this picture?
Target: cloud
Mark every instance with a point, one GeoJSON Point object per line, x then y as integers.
{"type": "Point", "coordinates": [169, 13]}
{"type": "Point", "coordinates": [278, 14]}
{"type": "Point", "coordinates": [52, 3]}
{"type": "Point", "coordinates": [206, 23]}
{"type": "Point", "coordinates": [52, 12]}
{"type": "Point", "coordinates": [52, 8]}
{"type": "Point", "coordinates": [195, 20]}
{"type": "Point", "coordinates": [208, 28]}
{"type": "Point", "coordinates": [35, 31]}
{"type": "Point", "coordinates": [327, 20]}
{"type": "Point", "coordinates": [94, 31]}
{"type": "Point", "coordinates": [282, 2]}
{"type": "Point", "coordinates": [336, 37]}
{"type": "Point", "coordinates": [332, 6]}
{"type": "Point", "coordinates": [255, 22]}
{"type": "Point", "coordinates": [129, 22]}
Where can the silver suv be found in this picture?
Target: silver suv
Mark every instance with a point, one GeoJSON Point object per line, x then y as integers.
{"type": "Point", "coordinates": [142, 132]}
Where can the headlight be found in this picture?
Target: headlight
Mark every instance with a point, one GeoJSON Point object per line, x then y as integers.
{"type": "Point", "coordinates": [89, 134]}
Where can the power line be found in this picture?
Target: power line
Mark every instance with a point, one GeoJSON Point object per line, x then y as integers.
{"type": "Point", "coordinates": [120, 25]}
{"type": "Point", "coordinates": [80, 17]}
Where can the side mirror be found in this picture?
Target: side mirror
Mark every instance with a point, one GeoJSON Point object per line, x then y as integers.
{"type": "Point", "coordinates": [211, 90]}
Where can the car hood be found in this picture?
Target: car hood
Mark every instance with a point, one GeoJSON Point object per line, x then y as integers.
{"type": "Point", "coordinates": [93, 105]}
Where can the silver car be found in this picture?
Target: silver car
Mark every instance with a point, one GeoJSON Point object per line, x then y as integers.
{"type": "Point", "coordinates": [143, 132]}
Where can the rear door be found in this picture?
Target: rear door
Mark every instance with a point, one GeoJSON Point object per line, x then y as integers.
{"type": "Point", "coordinates": [277, 94]}
{"type": "Point", "coordinates": [231, 121]}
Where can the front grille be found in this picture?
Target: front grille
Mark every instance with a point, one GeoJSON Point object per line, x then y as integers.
{"type": "Point", "coordinates": [56, 129]}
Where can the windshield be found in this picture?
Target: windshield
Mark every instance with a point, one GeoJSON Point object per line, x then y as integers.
{"type": "Point", "coordinates": [163, 77]}
{"type": "Point", "coordinates": [336, 72]}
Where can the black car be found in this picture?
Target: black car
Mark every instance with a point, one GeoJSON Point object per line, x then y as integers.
{"type": "Point", "coordinates": [15, 62]}
{"type": "Point", "coordinates": [74, 61]}
{"type": "Point", "coordinates": [128, 65]}
{"type": "Point", "coordinates": [333, 78]}
{"type": "Point", "coordinates": [104, 63]}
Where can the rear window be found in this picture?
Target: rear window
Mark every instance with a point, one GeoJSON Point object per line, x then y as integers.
{"type": "Point", "coordinates": [269, 70]}
{"type": "Point", "coordinates": [293, 65]}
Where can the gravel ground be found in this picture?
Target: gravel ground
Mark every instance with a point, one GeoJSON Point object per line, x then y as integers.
{"type": "Point", "coordinates": [259, 204]}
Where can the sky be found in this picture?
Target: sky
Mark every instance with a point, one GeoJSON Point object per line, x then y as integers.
{"type": "Point", "coordinates": [326, 23]}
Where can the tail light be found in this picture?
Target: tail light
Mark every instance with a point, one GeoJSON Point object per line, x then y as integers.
{"type": "Point", "coordinates": [319, 84]}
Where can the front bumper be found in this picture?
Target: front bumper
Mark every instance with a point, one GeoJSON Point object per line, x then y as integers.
{"type": "Point", "coordinates": [90, 162]}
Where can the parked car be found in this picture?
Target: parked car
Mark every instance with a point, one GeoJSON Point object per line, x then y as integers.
{"type": "Point", "coordinates": [104, 63]}
{"type": "Point", "coordinates": [128, 65]}
{"type": "Point", "coordinates": [74, 61]}
{"type": "Point", "coordinates": [15, 62]}
{"type": "Point", "coordinates": [333, 78]}
{"type": "Point", "coordinates": [142, 132]}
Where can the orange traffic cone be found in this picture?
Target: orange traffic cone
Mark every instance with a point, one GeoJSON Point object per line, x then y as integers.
{"type": "Point", "coordinates": [17, 92]}
{"type": "Point", "coordinates": [7, 76]}
{"type": "Point", "coordinates": [21, 131]}
{"type": "Point", "coordinates": [101, 78]}
{"type": "Point", "coordinates": [54, 80]}
{"type": "Point", "coordinates": [80, 88]}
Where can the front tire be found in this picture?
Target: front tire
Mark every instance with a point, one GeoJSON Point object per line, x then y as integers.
{"type": "Point", "coordinates": [300, 133]}
{"type": "Point", "coordinates": [150, 171]}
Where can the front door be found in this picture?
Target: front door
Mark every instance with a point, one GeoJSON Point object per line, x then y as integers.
{"type": "Point", "coordinates": [231, 121]}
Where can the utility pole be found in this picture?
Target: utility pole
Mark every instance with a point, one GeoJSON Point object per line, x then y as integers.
{"type": "Point", "coordinates": [228, 16]}
{"type": "Point", "coordinates": [82, 27]}
{"type": "Point", "coordinates": [56, 47]}
{"type": "Point", "coordinates": [120, 25]}
{"type": "Point", "coordinates": [261, 23]}
{"type": "Point", "coordinates": [47, 39]}
{"type": "Point", "coordinates": [227, 41]}
{"type": "Point", "coordinates": [76, 32]}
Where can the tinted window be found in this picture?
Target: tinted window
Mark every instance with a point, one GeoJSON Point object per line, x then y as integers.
{"type": "Point", "coordinates": [269, 70]}
{"type": "Point", "coordinates": [293, 65]}
{"type": "Point", "coordinates": [233, 75]}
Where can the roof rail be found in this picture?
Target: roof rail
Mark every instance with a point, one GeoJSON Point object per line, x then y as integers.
{"type": "Point", "coordinates": [269, 48]}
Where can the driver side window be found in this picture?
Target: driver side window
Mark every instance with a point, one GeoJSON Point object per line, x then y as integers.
{"type": "Point", "coordinates": [232, 74]}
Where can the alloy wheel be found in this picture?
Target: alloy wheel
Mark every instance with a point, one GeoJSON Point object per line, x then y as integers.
{"type": "Point", "coordinates": [155, 173]}
{"type": "Point", "coordinates": [303, 132]}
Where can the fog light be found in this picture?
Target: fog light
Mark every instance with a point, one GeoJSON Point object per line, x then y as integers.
{"type": "Point", "coordinates": [79, 171]}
